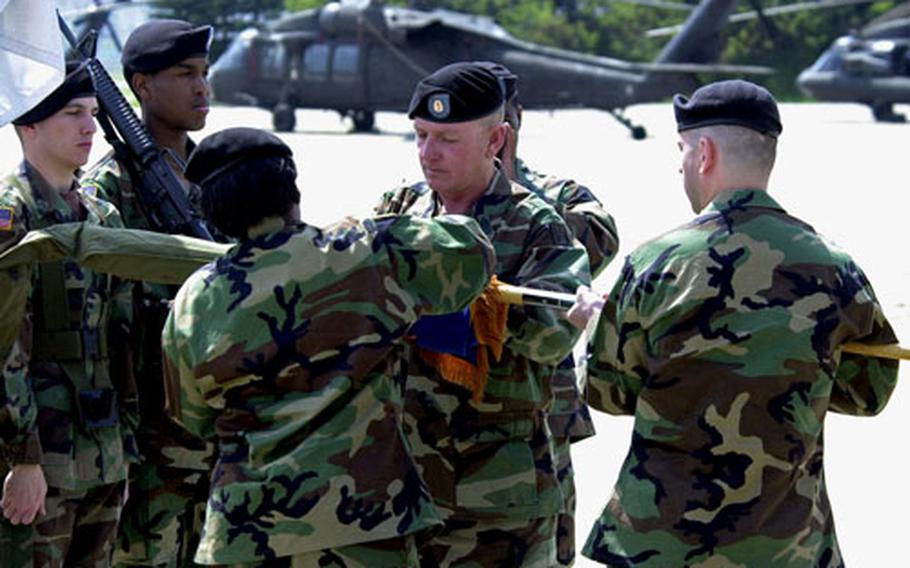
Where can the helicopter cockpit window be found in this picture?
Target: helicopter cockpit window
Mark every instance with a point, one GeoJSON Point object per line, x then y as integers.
{"type": "Point", "coordinates": [831, 60]}
{"type": "Point", "coordinates": [316, 61]}
{"type": "Point", "coordinates": [271, 60]}
{"type": "Point", "coordinates": [345, 60]}
{"type": "Point", "coordinates": [236, 53]}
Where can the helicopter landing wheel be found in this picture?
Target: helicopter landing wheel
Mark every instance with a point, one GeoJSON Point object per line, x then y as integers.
{"type": "Point", "coordinates": [283, 119]}
{"type": "Point", "coordinates": [884, 112]}
{"type": "Point", "coordinates": [637, 131]}
{"type": "Point", "coordinates": [363, 120]}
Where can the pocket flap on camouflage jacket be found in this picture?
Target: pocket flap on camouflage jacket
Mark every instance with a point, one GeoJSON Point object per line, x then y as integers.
{"type": "Point", "coordinates": [496, 427]}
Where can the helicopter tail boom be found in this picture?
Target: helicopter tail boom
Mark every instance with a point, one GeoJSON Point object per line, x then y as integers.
{"type": "Point", "coordinates": [698, 40]}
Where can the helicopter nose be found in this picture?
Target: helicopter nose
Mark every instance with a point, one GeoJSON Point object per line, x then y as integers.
{"type": "Point", "coordinates": [228, 85]}
{"type": "Point", "coordinates": [808, 82]}
{"type": "Point", "coordinates": [232, 77]}
{"type": "Point", "coordinates": [802, 82]}
{"type": "Point", "coordinates": [218, 82]}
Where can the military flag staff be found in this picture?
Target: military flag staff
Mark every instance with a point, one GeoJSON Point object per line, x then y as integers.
{"type": "Point", "coordinates": [521, 295]}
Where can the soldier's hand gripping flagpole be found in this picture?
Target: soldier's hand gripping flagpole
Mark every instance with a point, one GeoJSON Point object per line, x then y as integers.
{"type": "Point", "coordinates": [520, 295]}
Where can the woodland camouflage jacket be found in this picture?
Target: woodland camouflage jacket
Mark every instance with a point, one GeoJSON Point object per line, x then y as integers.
{"type": "Point", "coordinates": [284, 350]}
{"type": "Point", "coordinates": [722, 339]}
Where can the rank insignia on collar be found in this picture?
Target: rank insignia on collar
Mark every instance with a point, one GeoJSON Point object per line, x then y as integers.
{"type": "Point", "coordinates": [6, 218]}
{"type": "Point", "coordinates": [439, 105]}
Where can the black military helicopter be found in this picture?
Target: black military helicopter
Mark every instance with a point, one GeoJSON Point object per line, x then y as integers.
{"type": "Point", "coordinates": [362, 57]}
{"type": "Point", "coordinates": [869, 66]}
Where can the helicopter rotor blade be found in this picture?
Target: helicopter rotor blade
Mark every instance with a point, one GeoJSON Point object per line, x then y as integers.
{"type": "Point", "coordinates": [659, 4]}
{"type": "Point", "coordinates": [775, 11]}
{"type": "Point", "coordinates": [114, 37]}
{"type": "Point", "coordinates": [764, 20]}
{"type": "Point", "coordinates": [720, 68]}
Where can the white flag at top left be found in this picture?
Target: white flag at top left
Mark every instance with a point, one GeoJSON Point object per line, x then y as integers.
{"type": "Point", "coordinates": [31, 55]}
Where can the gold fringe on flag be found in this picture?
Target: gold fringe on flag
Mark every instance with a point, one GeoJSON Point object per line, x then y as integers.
{"type": "Point", "coordinates": [488, 320]}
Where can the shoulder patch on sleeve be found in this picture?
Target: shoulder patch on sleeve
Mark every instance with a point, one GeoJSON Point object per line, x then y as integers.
{"type": "Point", "coordinates": [91, 190]}
{"type": "Point", "coordinates": [7, 216]}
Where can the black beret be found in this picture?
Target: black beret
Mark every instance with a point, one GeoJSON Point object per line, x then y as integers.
{"type": "Point", "coordinates": [456, 93]}
{"type": "Point", "coordinates": [735, 102]}
{"type": "Point", "coordinates": [158, 44]}
{"type": "Point", "coordinates": [508, 81]}
{"type": "Point", "coordinates": [77, 83]}
{"type": "Point", "coordinates": [223, 150]}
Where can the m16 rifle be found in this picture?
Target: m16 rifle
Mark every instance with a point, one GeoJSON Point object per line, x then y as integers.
{"type": "Point", "coordinates": [161, 193]}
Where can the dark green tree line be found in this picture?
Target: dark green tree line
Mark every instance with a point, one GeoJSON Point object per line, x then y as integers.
{"type": "Point", "coordinates": [227, 16]}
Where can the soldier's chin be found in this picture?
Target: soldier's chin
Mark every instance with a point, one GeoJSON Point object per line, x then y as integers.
{"type": "Point", "coordinates": [434, 178]}
{"type": "Point", "coordinates": [81, 155]}
{"type": "Point", "coordinates": [196, 124]}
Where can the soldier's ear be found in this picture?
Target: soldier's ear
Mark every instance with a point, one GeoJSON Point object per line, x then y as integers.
{"type": "Point", "coordinates": [707, 154]}
{"type": "Point", "coordinates": [26, 132]}
{"type": "Point", "coordinates": [496, 140]}
{"type": "Point", "coordinates": [140, 85]}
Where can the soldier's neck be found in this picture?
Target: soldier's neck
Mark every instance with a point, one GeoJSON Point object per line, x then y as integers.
{"type": "Point", "coordinates": [462, 202]}
{"type": "Point", "coordinates": [167, 137]}
{"type": "Point", "coordinates": [58, 177]}
{"type": "Point", "coordinates": [459, 204]}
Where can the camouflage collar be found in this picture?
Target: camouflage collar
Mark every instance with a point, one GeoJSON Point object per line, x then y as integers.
{"type": "Point", "coordinates": [740, 198]}
{"type": "Point", "coordinates": [525, 174]}
{"type": "Point", "coordinates": [48, 200]}
{"type": "Point", "coordinates": [37, 180]}
{"type": "Point", "coordinates": [274, 224]}
{"type": "Point", "coordinates": [499, 185]}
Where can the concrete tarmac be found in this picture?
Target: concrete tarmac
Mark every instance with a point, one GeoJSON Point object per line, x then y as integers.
{"type": "Point", "coordinates": [837, 169]}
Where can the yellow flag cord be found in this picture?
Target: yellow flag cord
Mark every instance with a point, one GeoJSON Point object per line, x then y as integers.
{"type": "Point", "coordinates": [511, 294]}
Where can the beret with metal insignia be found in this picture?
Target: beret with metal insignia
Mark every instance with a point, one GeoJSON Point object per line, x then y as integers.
{"type": "Point", "coordinates": [508, 81]}
{"type": "Point", "coordinates": [227, 148]}
{"type": "Point", "coordinates": [456, 93]}
{"type": "Point", "coordinates": [734, 102]}
{"type": "Point", "coordinates": [159, 44]}
{"type": "Point", "coordinates": [77, 83]}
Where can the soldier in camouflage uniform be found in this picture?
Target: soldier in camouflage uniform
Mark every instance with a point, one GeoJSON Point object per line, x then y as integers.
{"type": "Point", "coordinates": [165, 63]}
{"type": "Point", "coordinates": [68, 413]}
{"type": "Point", "coordinates": [722, 338]}
{"type": "Point", "coordinates": [284, 350]}
{"type": "Point", "coordinates": [490, 462]}
{"type": "Point", "coordinates": [569, 418]}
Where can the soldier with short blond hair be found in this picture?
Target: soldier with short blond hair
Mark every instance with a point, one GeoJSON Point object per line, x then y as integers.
{"type": "Point", "coordinates": [67, 412]}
